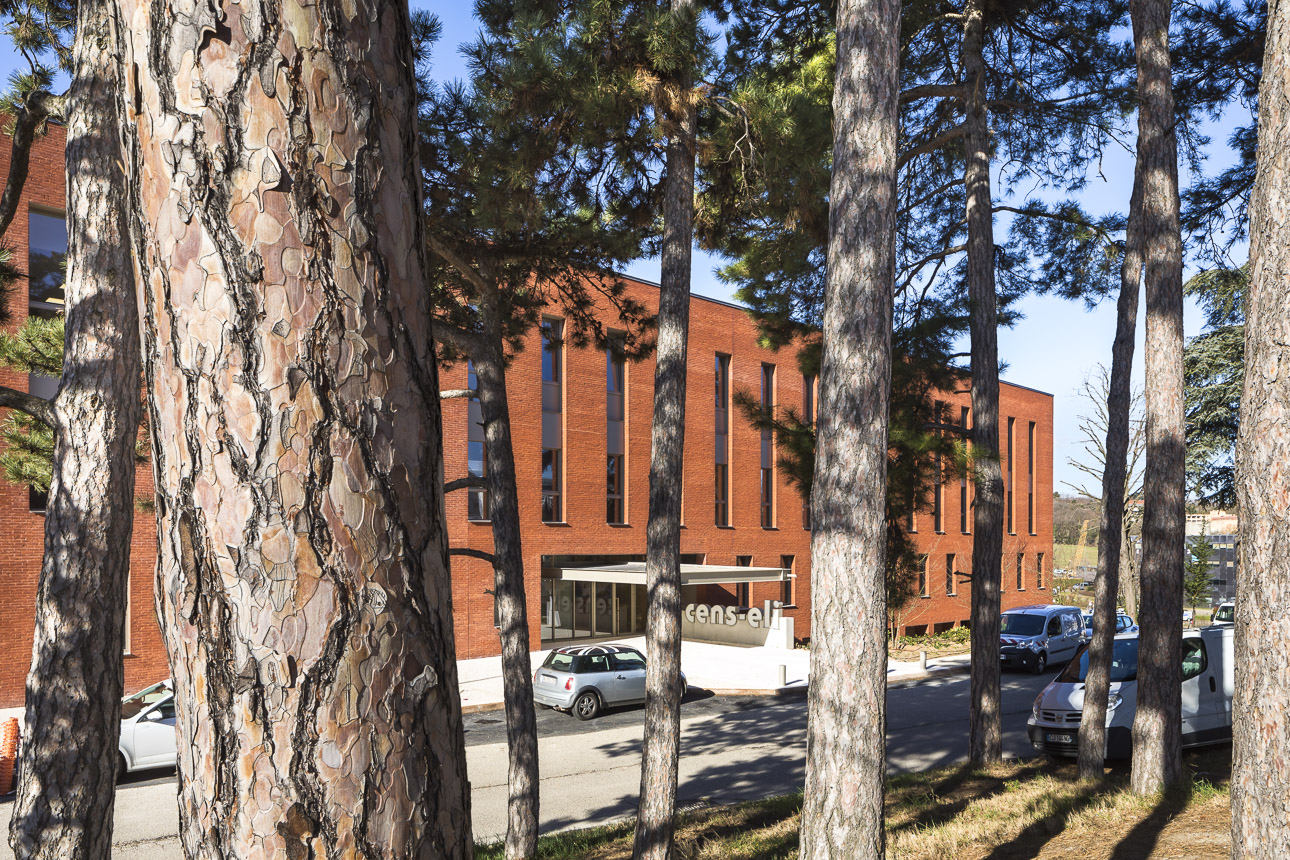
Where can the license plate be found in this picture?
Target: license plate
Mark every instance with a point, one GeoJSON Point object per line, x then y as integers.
{"type": "Point", "coordinates": [547, 679]}
{"type": "Point", "coordinates": [1060, 739]}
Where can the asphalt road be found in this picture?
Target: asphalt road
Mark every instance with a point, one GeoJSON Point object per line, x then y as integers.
{"type": "Point", "coordinates": [733, 748]}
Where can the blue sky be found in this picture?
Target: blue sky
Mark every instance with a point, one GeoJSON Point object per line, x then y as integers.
{"type": "Point", "coordinates": [1053, 349]}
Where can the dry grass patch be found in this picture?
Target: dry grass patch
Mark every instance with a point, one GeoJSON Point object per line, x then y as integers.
{"type": "Point", "coordinates": [1019, 810]}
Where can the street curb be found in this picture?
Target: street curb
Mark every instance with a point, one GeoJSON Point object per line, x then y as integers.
{"type": "Point", "coordinates": [794, 692]}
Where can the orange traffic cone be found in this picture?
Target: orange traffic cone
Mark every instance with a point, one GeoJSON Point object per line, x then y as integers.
{"type": "Point", "coordinates": [8, 754]}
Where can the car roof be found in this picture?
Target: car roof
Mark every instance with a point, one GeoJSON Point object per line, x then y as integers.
{"type": "Point", "coordinates": [586, 650]}
{"type": "Point", "coordinates": [1039, 607]}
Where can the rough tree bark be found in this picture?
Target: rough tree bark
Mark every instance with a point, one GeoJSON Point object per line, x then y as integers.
{"type": "Point", "coordinates": [1157, 725]}
{"type": "Point", "coordinates": [73, 714]}
{"type": "Point", "coordinates": [655, 822]}
{"type": "Point", "coordinates": [1097, 687]}
{"type": "Point", "coordinates": [1261, 748]}
{"type": "Point", "coordinates": [508, 588]}
{"type": "Point", "coordinates": [985, 727]}
{"type": "Point", "coordinates": [302, 583]}
{"type": "Point", "coordinates": [842, 812]}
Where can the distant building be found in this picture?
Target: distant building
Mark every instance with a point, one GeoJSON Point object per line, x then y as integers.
{"type": "Point", "coordinates": [1219, 529]}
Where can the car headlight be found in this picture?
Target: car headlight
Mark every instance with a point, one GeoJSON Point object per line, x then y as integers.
{"type": "Point", "coordinates": [1034, 709]}
{"type": "Point", "coordinates": [1036, 646]}
{"type": "Point", "coordinates": [1113, 701]}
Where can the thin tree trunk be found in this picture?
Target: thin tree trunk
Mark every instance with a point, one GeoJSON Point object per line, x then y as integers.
{"type": "Point", "coordinates": [302, 582]}
{"type": "Point", "coordinates": [985, 727]}
{"type": "Point", "coordinates": [1157, 724]}
{"type": "Point", "coordinates": [1092, 734]}
{"type": "Point", "coordinates": [655, 823]}
{"type": "Point", "coordinates": [508, 591]}
{"type": "Point", "coordinates": [1261, 729]}
{"type": "Point", "coordinates": [73, 715]}
{"type": "Point", "coordinates": [842, 812]}
{"type": "Point", "coordinates": [1129, 571]}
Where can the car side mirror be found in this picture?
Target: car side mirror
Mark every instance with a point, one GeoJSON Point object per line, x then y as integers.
{"type": "Point", "coordinates": [152, 716]}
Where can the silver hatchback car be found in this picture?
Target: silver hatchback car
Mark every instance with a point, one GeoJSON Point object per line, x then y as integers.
{"type": "Point", "coordinates": [585, 678]}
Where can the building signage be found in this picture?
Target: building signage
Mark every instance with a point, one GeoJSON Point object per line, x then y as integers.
{"type": "Point", "coordinates": [701, 613]}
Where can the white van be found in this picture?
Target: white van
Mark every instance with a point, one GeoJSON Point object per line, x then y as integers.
{"type": "Point", "coordinates": [1207, 689]}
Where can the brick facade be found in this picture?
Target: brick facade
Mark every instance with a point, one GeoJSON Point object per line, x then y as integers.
{"type": "Point", "coordinates": [22, 532]}
{"type": "Point", "coordinates": [1030, 540]}
{"type": "Point", "coordinates": [715, 327]}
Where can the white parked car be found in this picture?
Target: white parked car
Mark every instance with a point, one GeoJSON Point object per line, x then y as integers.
{"type": "Point", "coordinates": [1207, 687]}
{"type": "Point", "coordinates": [148, 729]}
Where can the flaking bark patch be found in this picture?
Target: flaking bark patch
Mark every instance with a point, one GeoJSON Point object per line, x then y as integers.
{"type": "Point", "coordinates": [303, 583]}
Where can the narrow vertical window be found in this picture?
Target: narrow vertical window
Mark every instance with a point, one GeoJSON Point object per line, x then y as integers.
{"type": "Point", "coordinates": [786, 593]}
{"type": "Point", "coordinates": [1021, 564]}
{"type": "Point", "coordinates": [1039, 570]}
{"type": "Point", "coordinates": [1030, 478]}
{"type": "Point", "coordinates": [808, 417]}
{"type": "Point", "coordinates": [476, 497]}
{"type": "Point", "coordinates": [949, 575]}
{"type": "Point", "coordinates": [615, 448]}
{"type": "Point", "coordinates": [722, 458]}
{"type": "Point", "coordinates": [767, 447]}
{"type": "Point", "coordinates": [552, 421]}
{"type": "Point", "coordinates": [922, 576]}
{"type": "Point", "coordinates": [46, 255]}
{"type": "Point", "coordinates": [963, 481]}
{"type": "Point", "coordinates": [741, 588]}
{"type": "Point", "coordinates": [938, 525]}
{"type": "Point", "coordinates": [1008, 503]}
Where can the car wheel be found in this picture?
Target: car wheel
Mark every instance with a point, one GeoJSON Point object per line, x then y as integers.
{"type": "Point", "coordinates": [685, 688]}
{"type": "Point", "coordinates": [121, 767]}
{"type": "Point", "coordinates": [1041, 663]}
{"type": "Point", "coordinates": [586, 706]}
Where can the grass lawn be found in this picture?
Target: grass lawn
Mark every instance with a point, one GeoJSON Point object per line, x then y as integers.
{"type": "Point", "coordinates": [1019, 809]}
{"type": "Point", "coordinates": [1064, 556]}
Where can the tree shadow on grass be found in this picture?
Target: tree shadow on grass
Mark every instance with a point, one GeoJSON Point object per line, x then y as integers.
{"type": "Point", "coordinates": [944, 806]}
{"type": "Point", "coordinates": [1030, 842]}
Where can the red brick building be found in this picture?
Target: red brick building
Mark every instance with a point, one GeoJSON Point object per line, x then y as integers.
{"type": "Point", "coordinates": [944, 532]}
{"type": "Point", "coordinates": [38, 238]}
{"type": "Point", "coordinates": [583, 495]}
{"type": "Point", "coordinates": [581, 428]}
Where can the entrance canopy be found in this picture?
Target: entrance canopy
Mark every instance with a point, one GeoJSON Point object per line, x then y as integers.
{"type": "Point", "coordinates": [633, 573]}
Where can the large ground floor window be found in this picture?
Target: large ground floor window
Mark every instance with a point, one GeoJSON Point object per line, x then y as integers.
{"type": "Point", "coordinates": [586, 610]}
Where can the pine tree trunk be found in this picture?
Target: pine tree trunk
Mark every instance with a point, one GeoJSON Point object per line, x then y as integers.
{"type": "Point", "coordinates": [303, 585]}
{"type": "Point", "coordinates": [73, 715]}
{"type": "Point", "coordinates": [985, 727]}
{"type": "Point", "coordinates": [1157, 725]}
{"type": "Point", "coordinates": [1097, 687]}
{"type": "Point", "coordinates": [508, 591]}
{"type": "Point", "coordinates": [842, 812]}
{"type": "Point", "coordinates": [1128, 572]}
{"type": "Point", "coordinates": [1261, 730]}
{"type": "Point", "coordinates": [655, 824]}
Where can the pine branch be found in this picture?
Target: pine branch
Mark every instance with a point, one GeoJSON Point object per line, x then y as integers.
{"type": "Point", "coordinates": [463, 484]}
{"type": "Point", "coordinates": [37, 108]}
{"type": "Point", "coordinates": [473, 553]}
{"type": "Point", "coordinates": [40, 409]}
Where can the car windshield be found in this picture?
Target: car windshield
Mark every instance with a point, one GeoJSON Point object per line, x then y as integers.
{"type": "Point", "coordinates": [1016, 624]}
{"type": "Point", "coordinates": [557, 662]}
{"type": "Point", "coordinates": [1225, 613]}
{"type": "Point", "coordinates": [1124, 663]}
{"type": "Point", "coordinates": [131, 706]}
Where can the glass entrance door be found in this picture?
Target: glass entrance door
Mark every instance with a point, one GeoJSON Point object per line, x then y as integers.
{"type": "Point", "coordinates": [585, 610]}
